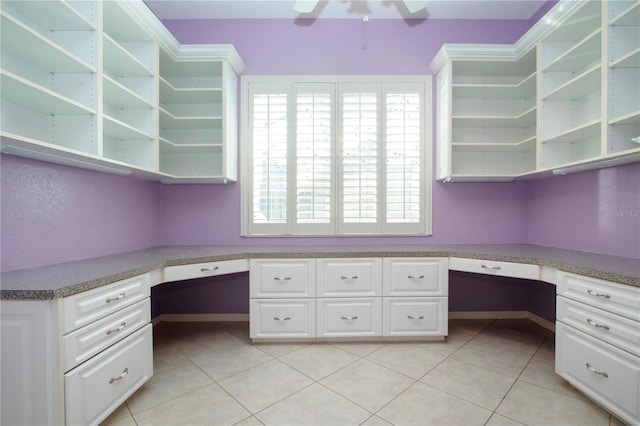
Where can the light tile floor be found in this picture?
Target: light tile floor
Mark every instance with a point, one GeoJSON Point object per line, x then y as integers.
{"type": "Point", "coordinates": [487, 372]}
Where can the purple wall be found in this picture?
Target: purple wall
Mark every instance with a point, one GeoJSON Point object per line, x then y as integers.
{"type": "Point", "coordinates": [596, 211]}
{"type": "Point", "coordinates": [53, 214]}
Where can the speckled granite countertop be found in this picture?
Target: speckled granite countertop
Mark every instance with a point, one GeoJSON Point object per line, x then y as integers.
{"type": "Point", "coordinates": [65, 279]}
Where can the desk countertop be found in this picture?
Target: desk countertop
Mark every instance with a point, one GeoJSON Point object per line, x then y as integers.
{"type": "Point", "coordinates": [65, 279]}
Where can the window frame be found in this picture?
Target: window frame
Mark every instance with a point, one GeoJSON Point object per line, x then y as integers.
{"type": "Point", "coordinates": [422, 228]}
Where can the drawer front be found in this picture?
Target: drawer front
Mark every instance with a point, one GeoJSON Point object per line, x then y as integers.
{"type": "Point", "coordinates": [282, 278]}
{"type": "Point", "coordinates": [619, 331]}
{"type": "Point", "coordinates": [86, 307]}
{"type": "Point", "coordinates": [492, 267]}
{"type": "Point", "coordinates": [613, 297]}
{"type": "Point", "coordinates": [82, 344]}
{"type": "Point", "coordinates": [349, 277]}
{"type": "Point", "coordinates": [199, 270]}
{"type": "Point", "coordinates": [415, 316]}
{"type": "Point", "coordinates": [349, 317]}
{"type": "Point", "coordinates": [608, 375]}
{"type": "Point", "coordinates": [287, 318]}
{"type": "Point", "coordinates": [416, 277]}
{"type": "Point", "coordinates": [97, 387]}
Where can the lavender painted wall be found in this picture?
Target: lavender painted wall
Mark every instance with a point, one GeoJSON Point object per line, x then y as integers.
{"type": "Point", "coordinates": [596, 211]}
{"type": "Point", "coordinates": [52, 214]}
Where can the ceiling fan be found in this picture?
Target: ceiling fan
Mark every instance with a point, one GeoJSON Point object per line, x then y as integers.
{"type": "Point", "coordinates": [307, 6]}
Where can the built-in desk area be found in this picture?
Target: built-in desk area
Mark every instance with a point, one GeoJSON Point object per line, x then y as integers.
{"type": "Point", "coordinates": [77, 342]}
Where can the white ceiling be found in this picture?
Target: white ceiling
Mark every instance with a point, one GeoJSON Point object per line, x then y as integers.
{"type": "Point", "coordinates": [344, 9]}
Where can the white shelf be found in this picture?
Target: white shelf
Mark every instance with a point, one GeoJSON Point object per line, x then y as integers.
{"type": "Point", "coordinates": [122, 131]}
{"type": "Point", "coordinates": [53, 14]}
{"type": "Point", "coordinates": [627, 17]}
{"type": "Point", "coordinates": [577, 87]}
{"type": "Point", "coordinates": [580, 56]}
{"type": "Point", "coordinates": [117, 94]}
{"type": "Point", "coordinates": [526, 119]}
{"type": "Point", "coordinates": [630, 60]}
{"type": "Point", "coordinates": [168, 147]}
{"type": "Point", "coordinates": [171, 94]}
{"type": "Point", "coordinates": [170, 121]}
{"type": "Point", "coordinates": [584, 132]}
{"type": "Point", "coordinates": [631, 118]}
{"type": "Point", "coordinates": [119, 61]}
{"type": "Point", "coordinates": [525, 145]}
{"type": "Point", "coordinates": [523, 89]}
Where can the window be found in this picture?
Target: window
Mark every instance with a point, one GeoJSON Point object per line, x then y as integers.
{"type": "Point", "coordinates": [336, 156]}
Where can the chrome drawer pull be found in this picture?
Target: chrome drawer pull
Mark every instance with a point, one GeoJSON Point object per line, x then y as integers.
{"type": "Point", "coordinates": [118, 297]}
{"type": "Point", "coordinates": [415, 277]}
{"type": "Point", "coordinates": [115, 330]}
{"type": "Point", "coordinates": [282, 278]}
{"type": "Point", "coordinates": [491, 268]}
{"type": "Point", "coordinates": [596, 294]}
{"type": "Point", "coordinates": [415, 317]}
{"type": "Point", "coordinates": [594, 371]}
{"type": "Point", "coordinates": [282, 319]}
{"type": "Point", "coordinates": [355, 317]}
{"type": "Point", "coordinates": [353, 277]}
{"type": "Point", "coordinates": [596, 325]}
{"type": "Point", "coordinates": [215, 268]}
{"type": "Point", "coordinates": [120, 377]}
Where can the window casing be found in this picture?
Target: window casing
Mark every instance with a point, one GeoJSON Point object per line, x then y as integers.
{"type": "Point", "coordinates": [336, 155]}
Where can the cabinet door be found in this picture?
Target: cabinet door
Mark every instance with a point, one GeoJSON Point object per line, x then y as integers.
{"type": "Point", "coordinates": [606, 374]}
{"type": "Point", "coordinates": [97, 387]}
{"type": "Point", "coordinates": [494, 267]}
{"type": "Point", "coordinates": [349, 277]}
{"type": "Point", "coordinates": [278, 278]}
{"type": "Point", "coordinates": [416, 276]}
{"type": "Point", "coordinates": [349, 317]}
{"type": "Point", "coordinates": [286, 318]}
{"type": "Point", "coordinates": [420, 316]}
{"type": "Point", "coordinates": [208, 269]}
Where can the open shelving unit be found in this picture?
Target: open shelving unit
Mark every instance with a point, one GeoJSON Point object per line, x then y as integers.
{"type": "Point", "coordinates": [103, 85]}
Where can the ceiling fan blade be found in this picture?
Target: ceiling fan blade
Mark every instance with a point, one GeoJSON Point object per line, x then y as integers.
{"type": "Point", "coordinates": [305, 6]}
{"type": "Point", "coordinates": [415, 5]}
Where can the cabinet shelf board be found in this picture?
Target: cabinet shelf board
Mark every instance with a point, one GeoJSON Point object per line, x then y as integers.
{"type": "Point", "coordinates": [171, 94]}
{"type": "Point", "coordinates": [586, 19]}
{"type": "Point", "coordinates": [167, 147]}
{"type": "Point", "coordinates": [580, 56]}
{"type": "Point", "coordinates": [51, 15]}
{"type": "Point", "coordinates": [629, 17]}
{"type": "Point", "coordinates": [55, 59]}
{"type": "Point", "coordinates": [517, 67]}
{"type": "Point", "coordinates": [578, 86]}
{"type": "Point", "coordinates": [169, 121]}
{"type": "Point", "coordinates": [120, 25]}
{"type": "Point", "coordinates": [630, 60]}
{"type": "Point", "coordinates": [584, 132]}
{"type": "Point", "coordinates": [526, 119]}
{"type": "Point", "coordinates": [118, 95]}
{"type": "Point", "coordinates": [524, 145]}
{"type": "Point", "coordinates": [22, 92]}
{"type": "Point", "coordinates": [123, 131]}
{"type": "Point", "coordinates": [169, 142]}
{"type": "Point", "coordinates": [524, 89]}
{"type": "Point", "coordinates": [631, 118]}
{"type": "Point", "coordinates": [119, 61]}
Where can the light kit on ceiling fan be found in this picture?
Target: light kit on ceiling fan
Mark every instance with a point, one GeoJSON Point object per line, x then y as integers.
{"type": "Point", "coordinates": [307, 6]}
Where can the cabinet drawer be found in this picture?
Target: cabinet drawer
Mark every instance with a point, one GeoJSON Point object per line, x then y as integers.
{"type": "Point", "coordinates": [82, 344]}
{"type": "Point", "coordinates": [282, 278]}
{"type": "Point", "coordinates": [209, 269]}
{"type": "Point", "coordinates": [493, 267]}
{"type": "Point", "coordinates": [97, 387]}
{"type": "Point", "coordinates": [288, 318]}
{"type": "Point", "coordinates": [619, 331]}
{"type": "Point", "coordinates": [608, 375]}
{"type": "Point", "coordinates": [405, 316]}
{"type": "Point", "coordinates": [349, 317]}
{"type": "Point", "coordinates": [613, 297]}
{"type": "Point", "coordinates": [416, 276]}
{"type": "Point", "coordinates": [349, 277]}
{"type": "Point", "coordinates": [86, 307]}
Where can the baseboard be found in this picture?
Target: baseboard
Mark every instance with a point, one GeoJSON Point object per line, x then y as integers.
{"type": "Point", "coordinates": [504, 315]}
{"type": "Point", "coordinates": [200, 318]}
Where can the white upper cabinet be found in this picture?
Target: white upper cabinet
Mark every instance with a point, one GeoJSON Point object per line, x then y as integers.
{"type": "Point", "coordinates": [104, 86]}
{"type": "Point", "coordinates": [560, 99]}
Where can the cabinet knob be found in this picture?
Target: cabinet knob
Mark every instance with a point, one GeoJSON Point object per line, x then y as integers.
{"type": "Point", "coordinates": [115, 330]}
{"type": "Point", "coordinates": [354, 317]}
{"type": "Point", "coordinates": [282, 278]}
{"type": "Point", "coordinates": [352, 277]}
{"type": "Point", "coordinates": [491, 268]}
{"type": "Point", "coordinates": [413, 317]}
{"type": "Point", "coordinates": [120, 377]}
{"type": "Point", "coordinates": [596, 294]}
{"type": "Point", "coordinates": [282, 319]}
{"type": "Point", "coordinates": [596, 325]}
{"type": "Point", "coordinates": [594, 371]}
{"type": "Point", "coordinates": [118, 297]}
{"type": "Point", "coordinates": [209, 269]}
{"type": "Point", "coordinates": [415, 277]}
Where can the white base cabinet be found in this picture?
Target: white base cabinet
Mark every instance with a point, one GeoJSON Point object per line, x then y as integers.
{"type": "Point", "coordinates": [598, 342]}
{"type": "Point", "coordinates": [348, 298]}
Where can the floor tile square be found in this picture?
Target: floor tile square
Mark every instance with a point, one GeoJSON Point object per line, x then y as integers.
{"type": "Point", "coordinates": [424, 405]}
{"type": "Point", "coordinates": [469, 382]}
{"type": "Point", "coordinates": [494, 358]}
{"type": "Point", "coordinates": [367, 384]}
{"type": "Point", "coordinates": [223, 363]}
{"type": "Point", "coordinates": [319, 360]}
{"type": "Point", "coordinates": [314, 405]}
{"type": "Point", "coordinates": [360, 349]}
{"type": "Point", "coordinates": [406, 359]}
{"type": "Point", "coordinates": [265, 384]}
